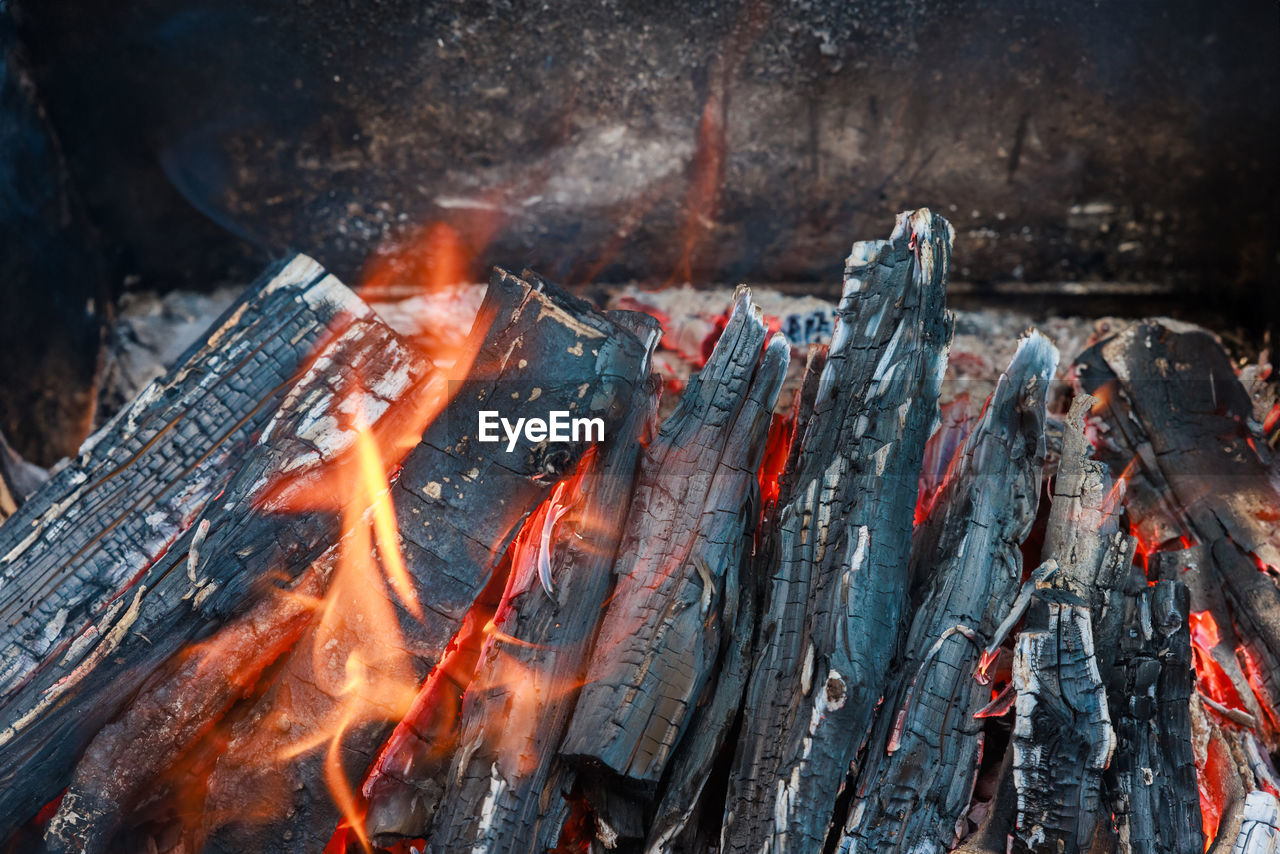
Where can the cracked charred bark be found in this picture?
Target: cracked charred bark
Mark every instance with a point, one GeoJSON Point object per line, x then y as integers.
{"type": "Point", "coordinates": [1152, 780]}
{"type": "Point", "coordinates": [917, 779]}
{"type": "Point", "coordinates": [1062, 736]}
{"type": "Point", "coordinates": [505, 789]}
{"type": "Point", "coordinates": [1201, 482]}
{"type": "Point", "coordinates": [833, 618]}
{"type": "Point", "coordinates": [458, 503]}
{"type": "Point", "coordinates": [696, 497]}
{"type": "Point", "coordinates": [75, 556]}
{"type": "Point", "coordinates": [176, 600]}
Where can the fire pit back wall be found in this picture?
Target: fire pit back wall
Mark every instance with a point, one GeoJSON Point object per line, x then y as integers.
{"type": "Point", "coordinates": [1067, 141]}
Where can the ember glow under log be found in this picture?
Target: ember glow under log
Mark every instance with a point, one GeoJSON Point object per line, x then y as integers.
{"type": "Point", "coordinates": [320, 589]}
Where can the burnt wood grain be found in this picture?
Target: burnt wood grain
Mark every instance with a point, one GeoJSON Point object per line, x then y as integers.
{"type": "Point", "coordinates": [506, 788]}
{"type": "Point", "coordinates": [1152, 783]}
{"type": "Point", "coordinates": [458, 503]}
{"type": "Point", "coordinates": [1201, 482]}
{"type": "Point", "coordinates": [918, 776]}
{"type": "Point", "coordinates": [833, 616]}
{"type": "Point", "coordinates": [696, 495]}
{"type": "Point", "coordinates": [74, 557]}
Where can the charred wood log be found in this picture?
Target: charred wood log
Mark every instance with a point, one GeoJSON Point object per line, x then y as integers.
{"type": "Point", "coordinates": [185, 591]}
{"type": "Point", "coordinates": [1084, 535]}
{"type": "Point", "coordinates": [684, 797]}
{"type": "Point", "coordinates": [73, 557]}
{"type": "Point", "coordinates": [696, 497]}
{"type": "Point", "coordinates": [458, 502]}
{"type": "Point", "coordinates": [505, 789]}
{"type": "Point", "coordinates": [1062, 735]}
{"type": "Point", "coordinates": [833, 618]}
{"type": "Point", "coordinates": [918, 776]}
{"type": "Point", "coordinates": [1153, 778]}
{"type": "Point", "coordinates": [406, 784]}
{"type": "Point", "coordinates": [1176, 416]}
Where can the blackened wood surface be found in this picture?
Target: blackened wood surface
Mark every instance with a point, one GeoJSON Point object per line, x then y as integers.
{"type": "Point", "coordinates": [1176, 416]}
{"type": "Point", "coordinates": [684, 799]}
{"type": "Point", "coordinates": [1152, 780]}
{"type": "Point", "coordinates": [128, 758]}
{"type": "Point", "coordinates": [835, 604]}
{"type": "Point", "coordinates": [73, 559]}
{"type": "Point", "coordinates": [506, 787]}
{"type": "Point", "coordinates": [193, 586]}
{"type": "Point", "coordinates": [684, 796]}
{"type": "Point", "coordinates": [661, 635]}
{"type": "Point", "coordinates": [918, 775]}
{"type": "Point", "coordinates": [1062, 735]}
{"type": "Point", "coordinates": [1084, 534]}
{"type": "Point", "coordinates": [458, 503]}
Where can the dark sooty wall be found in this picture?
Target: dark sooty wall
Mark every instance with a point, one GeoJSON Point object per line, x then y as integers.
{"type": "Point", "coordinates": [1128, 140]}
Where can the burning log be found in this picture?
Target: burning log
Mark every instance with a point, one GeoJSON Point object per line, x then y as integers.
{"type": "Point", "coordinates": [668, 667]}
{"type": "Point", "coordinates": [696, 496]}
{"type": "Point", "coordinates": [1153, 778]}
{"type": "Point", "coordinates": [1093, 554]}
{"type": "Point", "coordinates": [506, 788]}
{"type": "Point", "coordinates": [918, 777]}
{"type": "Point", "coordinates": [73, 558]}
{"type": "Point", "coordinates": [1176, 418]}
{"type": "Point", "coordinates": [832, 621]}
{"type": "Point", "coordinates": [1143, 648]}
{"type": "Point", "coordinates": [458, 501]}
{"type": "Point", "coordinates": [1062, 736]}
{"type": "Point", "coordinates": [196, 583]}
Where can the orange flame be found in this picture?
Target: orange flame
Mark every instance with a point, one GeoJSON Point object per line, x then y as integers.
{"type": "Point", "coordinates": [359, 655]}
{"type": "Point", "coordinates": [357, 619]}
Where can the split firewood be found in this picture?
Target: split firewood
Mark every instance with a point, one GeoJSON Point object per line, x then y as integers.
{"type": "Point", "coordinates": [365, 367]}
{"type": "Point", "coordinates": [696, 496]}
{"type": "Point", "coordinates": [838, 589]}
{"type": "Point", "coordinates": [1087, 555]}
{"type": "Point", "coordinates": [1143, 648]}
{"type": "Point", "coordinates": [506, 787]}
{"type": "Point", "coordinates": [1154, 797]}
{"type": "Point", "coordinates": [1085, 537]}
{"type": "Point", "coordinates": [458, 501]}
{"type": "Point", "coordinates": [917, 779]}
{"type": "Point", "coordinates": [1062, 735]}
{"type": "Point", "coordinates": [683, 798]}
{"type": "Point", "coordinates": [405, 786]}
{"type": "Point", "coordinates": [1175, 417]}
{"type": "Point", "coordinates": [73, 556]}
